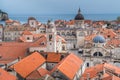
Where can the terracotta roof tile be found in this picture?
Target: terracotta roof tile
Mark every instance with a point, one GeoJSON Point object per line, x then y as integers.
{"type": "Point", "coordinates": [90, 37]}
{"type": "Point", "coordinates": [107, 77]}
{"type": "Point", "coordinates": [10, 51]}
{"type": "Point", "coordinates": [111, 67]}
{"type": "Point", "coordinates": [108, 32]}
{"type": "Point", "coordinates": [59, 37]}
{"type": "Point", "coordinates": [53, 57]}
{"type": "Point", "coordinates": [92, 71]}
{"type": "Point", "coordinates": [115, 78]}
{"type": "Point", "coordinates": [42, 71]}
{"type": "Point", "coordinates": [114, 42]}
{"type": "Point", "coordinates": [22, 38]}
{"type": "Point", "coordinates": [70, 65]}
{"type": "Point", "coordinates": [29, 64]}
{"type": "Point", "coordinates": [9, 21]}
{"type": "Point", "coordinates": [6, 76]}
{"type": "Point", "coordinates": [26, 32]}
{"type": "Point", "coordinates": [37, 74]}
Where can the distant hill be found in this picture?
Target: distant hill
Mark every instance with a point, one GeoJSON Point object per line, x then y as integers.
{"type": "Point", "coordinates": [3, 16]}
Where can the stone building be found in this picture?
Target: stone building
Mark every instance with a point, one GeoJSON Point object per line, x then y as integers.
{"type": "Point", "coordinates": [12, 33]}
{"type": "Point", "coordinates": [75, 33]}
{"type": "Point", "coordinates": [1, 33]}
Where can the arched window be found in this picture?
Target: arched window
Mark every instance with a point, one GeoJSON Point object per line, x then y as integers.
{"type": "Point", "coordinates": [97, 54]}
{"type": "Point", "coordinates": [80, 51]}
{"type": "Point", "coordinates": [50, 37]}
{"type": "Point", "coordinates": [100, 54]}
{"type": "Point", "coordinates": [68, 33]}
{"type": "Point", "coordinates": [63, 33]}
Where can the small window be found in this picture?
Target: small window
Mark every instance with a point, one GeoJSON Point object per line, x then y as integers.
{"type": "Point", "coordinates": [42, 43]}
{"type": "Point", "coordinates": [62, 56]}
{"type": "Point", "coordinates": [28, 38]}
{"type": "Point", "coordinates": [63, 33]}
{"type": "Point", "coordinates": [74, 46]}
{"type": "Point", "coordinates": [50, 37]}
{"type": "Point", "coordinates": [108, 36]}
{"type": "Point", "coordinates": [58, 33]}
{"type": "Point", "coordinates": [88, 65]}
{"type": "Point", "coordinates": [68, 33]}
{"type": "Point", "coordinates": [41, 51]}
{"type": "Point", "coordinates": [100, 54]}
{"type": "Point", "coordinates": [32, 23]}
{"type": "Point", "coordinates": [95, 54]}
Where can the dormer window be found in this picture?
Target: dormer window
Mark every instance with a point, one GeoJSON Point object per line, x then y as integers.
{"type": "Point", "coordinates": [42, 43]}
{"type": "Point", "coordinates": [28, 38]}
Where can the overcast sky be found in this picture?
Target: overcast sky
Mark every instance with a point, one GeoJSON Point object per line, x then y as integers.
{"type": "Point", "coordinates": [59, 6]}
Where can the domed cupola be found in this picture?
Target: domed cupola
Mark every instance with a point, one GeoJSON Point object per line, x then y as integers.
{"type": "Point", "coordinates": [79, 16]}
{"type": "Point", "coordinates": [99, 39]}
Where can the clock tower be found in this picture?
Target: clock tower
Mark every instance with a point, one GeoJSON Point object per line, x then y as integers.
{"type": "Point", "coordinates": [51, 37]}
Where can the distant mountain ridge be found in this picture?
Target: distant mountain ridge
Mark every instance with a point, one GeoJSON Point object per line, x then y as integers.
{"type": "Point", "coordinates": [3, 16]}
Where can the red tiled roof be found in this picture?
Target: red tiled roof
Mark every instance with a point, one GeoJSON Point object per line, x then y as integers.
{"type": "Point", "coordinates": [70, 65]}
{"type": "Point", "coordinates": [107, 77]}
{"type": "Point", "coordinates": [90, 37]}
{"type": "Point", "coordinates": [22, 38]}
{"type": "Point", "coordinates": [115, 78]}
{"type": "Point", "coordinates": [43, 71]}
{"type": "Point", "coordinates": [37, 74]}
{"type": "Point", "coordinates": [29, 64]}
{"type": "Point", "coordinates": [9, 21]}
{"type": "Point", "coordinates": [59, 37]}
{"type": "Point", "coordinates": [10, 51]}
{"type": "Point", "coordinates": [26, 32]}
{"type": "Point", "coordinates": [53, 57]}
{"type": "Point", "coordinates": [111, 67]}
{"type": "Point", "coordinates": [6, 76]}
{"type": "Point", "coordinates": [108, 32]}
{"type": "Point", "coordinates": [114, 42]}
{"type": "Point", "coordinates": [92, 71]}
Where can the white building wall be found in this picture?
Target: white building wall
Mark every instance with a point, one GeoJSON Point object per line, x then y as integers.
{"type": "Point", "coordinates": [39, 49]}
{"type": "Point", "coordinates": [1, 34]}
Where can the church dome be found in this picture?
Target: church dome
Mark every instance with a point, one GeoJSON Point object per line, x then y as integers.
{"type": "Point", "coordinates": [31, 18]}
{"type": "Point", "coordinates": [79, 16]}
{"type": "Point", "coordinates": [99, 39]}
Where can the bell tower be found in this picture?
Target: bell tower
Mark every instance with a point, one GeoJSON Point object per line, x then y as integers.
{"type": "Point", "coordinates": [51, 37]}
{"type": "Point", "coordinates": [79, 20]}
